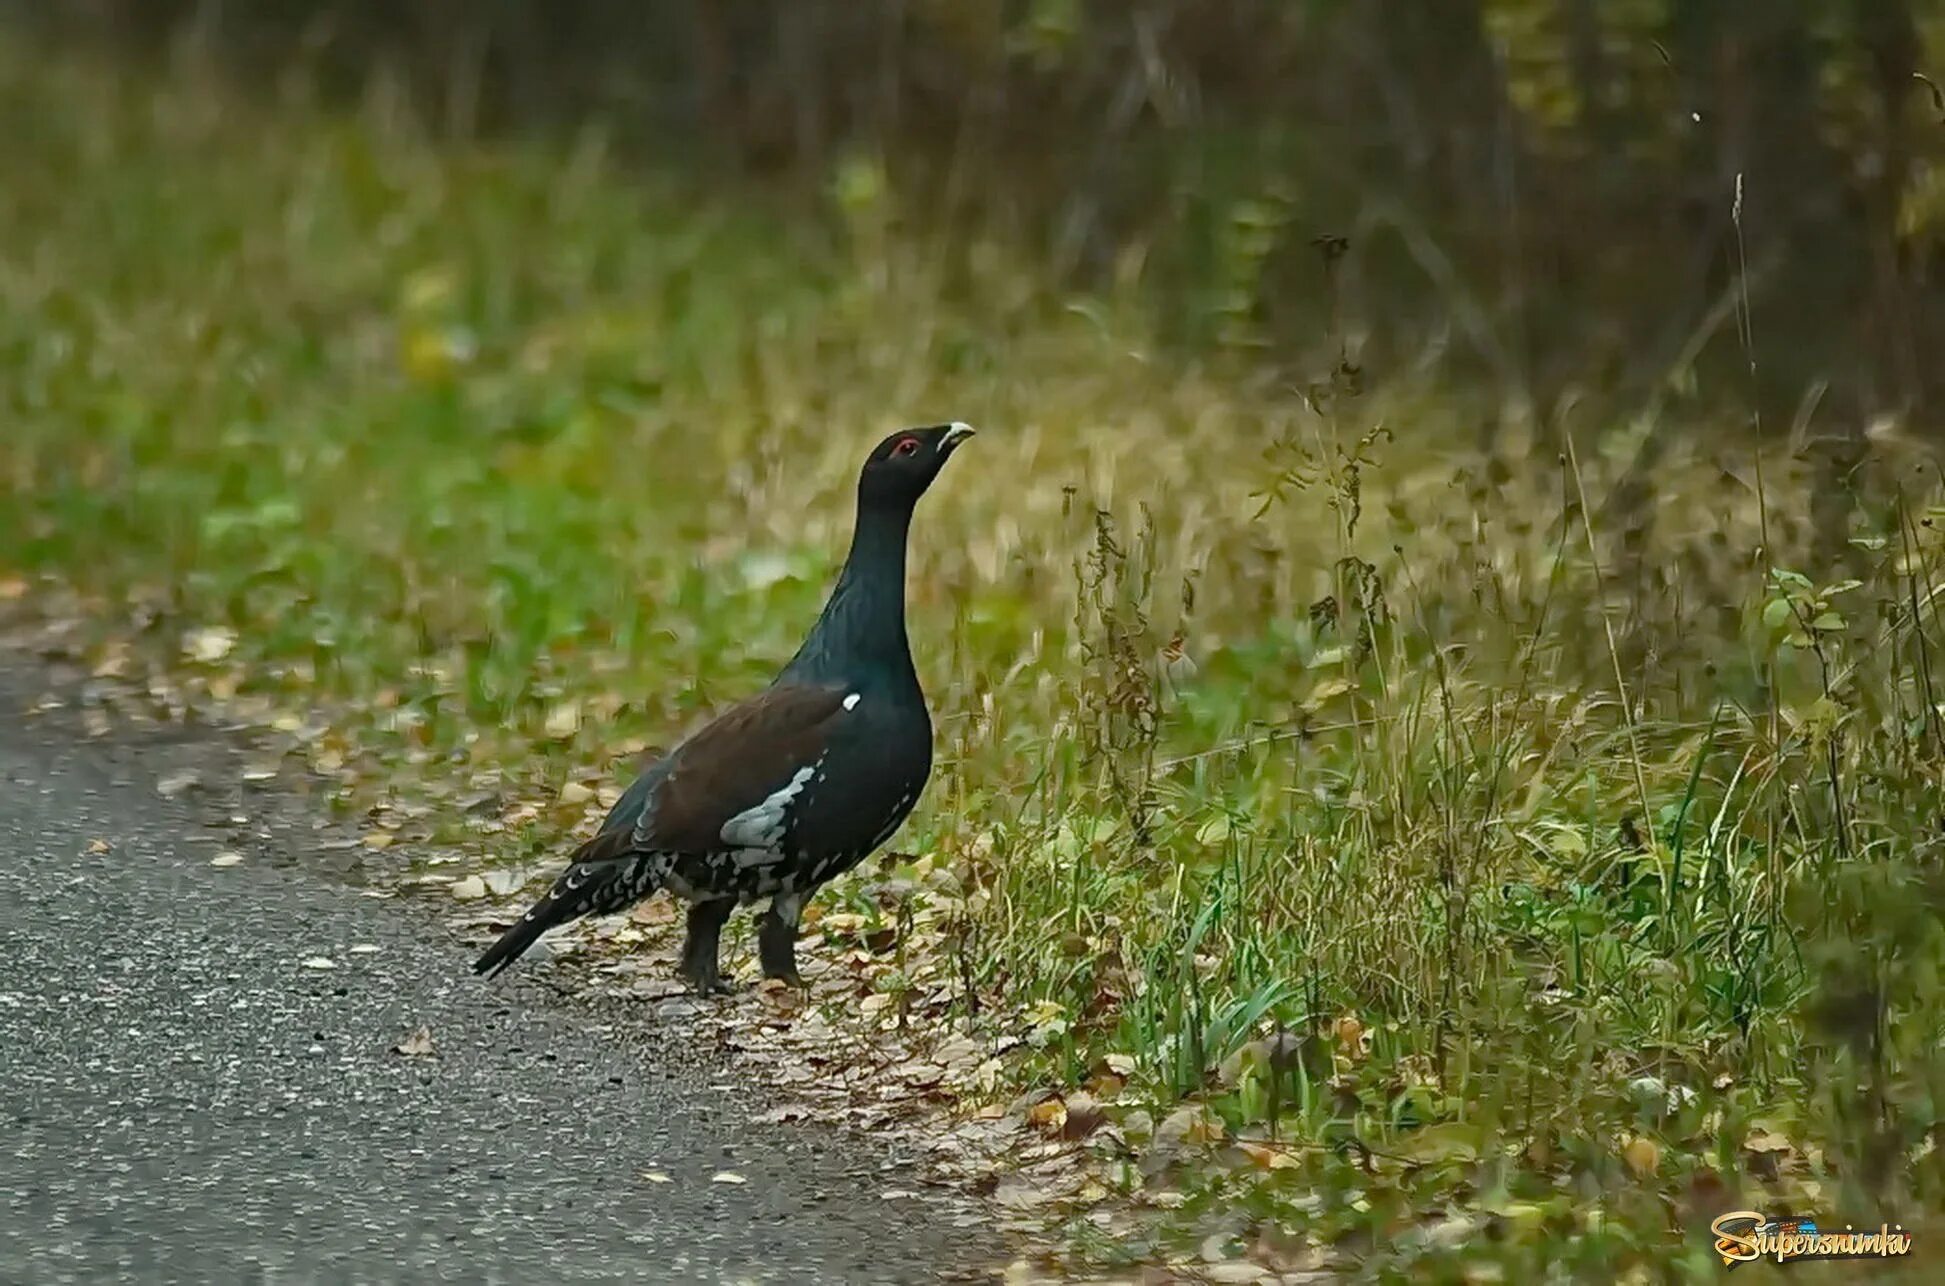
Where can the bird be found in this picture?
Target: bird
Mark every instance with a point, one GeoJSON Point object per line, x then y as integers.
{"type": "Point", "coordinates": [790, 788]}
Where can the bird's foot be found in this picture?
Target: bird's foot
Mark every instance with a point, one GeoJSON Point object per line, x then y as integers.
{"type": "Point", "coordinates": [776, 942]}
{"type": "Point", "coordinates": [707, 982]}
{"type": "Point", "coordinates": [700, 950]}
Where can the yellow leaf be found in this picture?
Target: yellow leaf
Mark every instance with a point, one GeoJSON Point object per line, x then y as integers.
{"type": "Point", "coordinates": [1045, 1012]}
{"type": "Point", "coordinates": [1213, 831]}
{"type": "Point", "coordinates": [208, 645]}
{"type": "Point", "coordinates": [1324, 691]}
{"type": "Point", "coordinates": [1267, 1157]}
{"type": "Point", "coordinates": [1047, 1116]}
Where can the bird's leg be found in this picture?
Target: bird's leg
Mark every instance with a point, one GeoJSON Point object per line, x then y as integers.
{"type": "Point", "coordinates": [776, 938]}
{"type": "Point", "coordinates": [699, 949]}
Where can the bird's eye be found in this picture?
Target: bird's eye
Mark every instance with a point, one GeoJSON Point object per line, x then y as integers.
{"type": "Point", "coordinates": [906, 446]}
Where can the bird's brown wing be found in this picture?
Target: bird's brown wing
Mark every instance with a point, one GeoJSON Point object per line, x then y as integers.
{"type": "Point", "coordinates": [732, 766]}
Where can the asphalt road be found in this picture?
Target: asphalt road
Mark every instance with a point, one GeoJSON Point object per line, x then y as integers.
{"type": "Point", "coordinates": [187, 1094]}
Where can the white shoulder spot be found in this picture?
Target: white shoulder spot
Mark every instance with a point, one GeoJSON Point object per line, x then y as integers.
{"type": "Point", "coordinates": [762, 826]}
{"type": "Point", "coordinates": [851, 702]}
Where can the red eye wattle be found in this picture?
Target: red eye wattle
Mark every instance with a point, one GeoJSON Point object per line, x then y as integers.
{"type": "Point", "coordinates": [906, 446]}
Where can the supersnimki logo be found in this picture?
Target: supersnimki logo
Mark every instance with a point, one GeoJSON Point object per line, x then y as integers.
{"type": "Point", "coordinates": [1743, 1236]}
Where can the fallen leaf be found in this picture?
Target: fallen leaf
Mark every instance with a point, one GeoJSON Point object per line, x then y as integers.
{"type": "Point", "coordinates": [1267, 1157]}
{"type": "Point", "coordinates": [564, 720]}
{"type": "Point", "coordinates": [1767, 1151]}
{"type": "Point", "coordinates": [576, 793]}
{"type": "Point", "coordinates": [727, 1176]}
{"type": "Point", "coordinates": [922, 1074]}
{"type": "Point", "coordinates": [12, 588]}
{"type": "Point", "coordinates": [656, 1176]}
{"type": "Point", "coordinates": [1017, 1193]}
{"type": "Point", "coordinates": [1045, 1012]}
{"type": "Point", "coordinates": [98, 846]}
{"type": "Point", "coordinates": [114, 661]}
{"type": "Point", "coordinates": [654, 911]}
{"type": "Point", "coordinates": [417, 1045]}
{"type": "Point", "coordinates": [178, 782]}
{"type": "Point", "coordinates": [958, 1052]}
{"type": "Point", "coordinates": [1188, 1124]}
{"type": "Point", "coordinates": [209, 645]}
{"type": "Point", "coordinates": [379, 839]}
{"type": "Point", "coordinates": [320, 962]}
{"type": "Point", "coordinates": [1643, 1156]}
{"type": "Point", "coordinates": [1091, 1192]}
{"type": "Point", "coordinates": [228, 858]}
{"type": "Point", "coordinates": [470, 889]}
{"type": "Point", "coordinates": [780, 996]}
{"type": "Point", "coordinates": [1104, 1084]}
{"type": "Point", "coordinates": [1048, 1116]}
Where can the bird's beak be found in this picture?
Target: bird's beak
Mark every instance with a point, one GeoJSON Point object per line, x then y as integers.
{"type": "Point", "coordinates": [956, 432]}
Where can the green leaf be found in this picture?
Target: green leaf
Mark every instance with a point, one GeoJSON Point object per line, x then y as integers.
{"type": "Point", "coordinates": [1215, 830]}
{"type": "Point", "coordinates": [1776, 614]}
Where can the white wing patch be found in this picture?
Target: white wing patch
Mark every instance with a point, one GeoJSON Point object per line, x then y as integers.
{"type": "Point", "coordinates": [851, 702]}
{"type": "Point", "coordinates": [760, 829]}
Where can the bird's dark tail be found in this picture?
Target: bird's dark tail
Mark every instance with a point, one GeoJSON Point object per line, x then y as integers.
{"type": "Point", "coordinates": [600, 877]}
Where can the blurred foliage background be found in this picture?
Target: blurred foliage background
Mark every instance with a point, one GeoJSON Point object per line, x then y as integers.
{"type": "Point", "coordinates": [1539, 197]}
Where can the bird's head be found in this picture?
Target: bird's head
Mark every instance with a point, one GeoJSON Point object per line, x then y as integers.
{"type": "Point", "coordinates": [900, 468]}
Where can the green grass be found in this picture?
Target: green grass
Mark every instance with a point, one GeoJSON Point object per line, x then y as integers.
{"type": "Point", "coordinates": [496, 458]}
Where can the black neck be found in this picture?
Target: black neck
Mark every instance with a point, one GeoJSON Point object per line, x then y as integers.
{"type": "Point", "coordinates": [863, 624]}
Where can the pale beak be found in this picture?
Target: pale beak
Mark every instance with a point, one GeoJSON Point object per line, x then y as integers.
{"type": "Point", "coordinates": [956, 432]}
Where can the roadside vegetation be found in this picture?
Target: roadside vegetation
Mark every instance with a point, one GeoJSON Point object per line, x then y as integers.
{"type": "Point", "coordinates": [1362, 847]}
